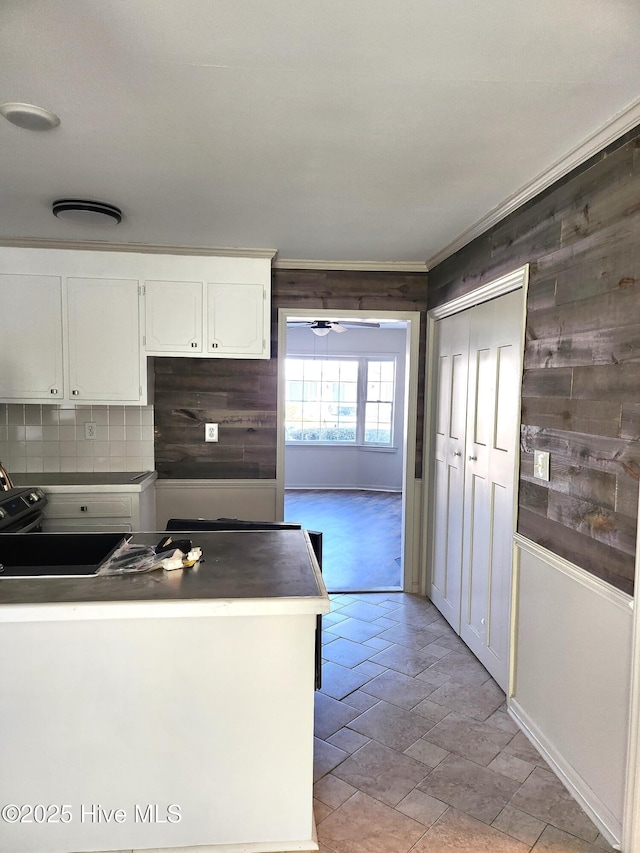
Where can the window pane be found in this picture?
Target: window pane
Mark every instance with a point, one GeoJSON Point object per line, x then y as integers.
{"type": "Point", "coordinates": [322, 397]}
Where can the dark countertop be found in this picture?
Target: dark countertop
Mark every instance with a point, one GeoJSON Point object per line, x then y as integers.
{"type": "Point", "coordinates": [236, 565]}
{"type": "Point", "coordinates": [79, 480]}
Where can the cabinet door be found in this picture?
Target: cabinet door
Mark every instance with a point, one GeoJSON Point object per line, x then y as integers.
{"type": "Point", "coordinates": [173, 317]}
{"type": "Point", "coordinates": [104, 340]}
{"type": "Point", "coordinates": [235, 319]}
{"type": "Point", "coordinates": [31, 339]}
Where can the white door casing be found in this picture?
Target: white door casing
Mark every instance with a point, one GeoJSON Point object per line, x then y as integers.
{"type": "Point", "coordinates": [470, 502]}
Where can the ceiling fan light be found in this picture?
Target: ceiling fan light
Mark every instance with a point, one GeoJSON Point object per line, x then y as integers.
{"type": "Point", "coordinates": [85, 212]}
{"type": "Point", "coordinates": [320, 331]}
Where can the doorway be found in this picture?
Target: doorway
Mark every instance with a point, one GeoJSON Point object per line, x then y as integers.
{"type": "Point", "coordinates": [366, 452]}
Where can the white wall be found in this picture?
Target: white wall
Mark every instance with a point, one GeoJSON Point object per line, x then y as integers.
{"type": "Point", "coordinates": [350, 467]}
{"type": "Point", "coordinates": [572, 649]}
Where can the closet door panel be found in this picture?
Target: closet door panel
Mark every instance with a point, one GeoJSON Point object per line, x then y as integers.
{"type": "Point", "coordinates": [492, 422]}
{"type": "Point", "coordinates": [448, 468]}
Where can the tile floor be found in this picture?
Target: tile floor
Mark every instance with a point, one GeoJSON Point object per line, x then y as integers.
{"type": "Point", "coordinates": [415, 750]}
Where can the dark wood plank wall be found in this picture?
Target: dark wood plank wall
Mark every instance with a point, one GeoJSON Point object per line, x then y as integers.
{"type": "Point", "coordinates": [581, 384]}
{"type": "Point", "coordinates": [240, 394]}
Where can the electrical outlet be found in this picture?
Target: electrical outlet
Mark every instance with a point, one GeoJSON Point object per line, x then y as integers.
{"type": "Point", "coordinates": [211, 432]}
{"type": "Point", "coordinates": [90, 430]}
{"type": "Point", "coordinates": [541, 465]}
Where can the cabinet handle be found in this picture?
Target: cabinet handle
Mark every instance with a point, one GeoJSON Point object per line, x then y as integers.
{"type": "Point", "coordinates": [473, 459]}
{"type": "Point", "coordinates": [194, 344]}
{"type": "Point", "coordinates": [457, 453]}
{"type": "Point", "coordinates": [54, 390]}
{"type": "Point", "coordinates": [75, 393]}
{"type": "Point", "coordinates": [214, 346]}
{"type": "Point", "coordinates": [84, 509]}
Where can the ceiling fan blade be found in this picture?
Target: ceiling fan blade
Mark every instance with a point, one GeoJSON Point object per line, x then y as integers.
{"type": "Point", "coordinates": [336, 327]}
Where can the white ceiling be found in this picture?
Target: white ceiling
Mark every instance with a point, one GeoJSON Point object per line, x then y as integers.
{"type": "Point", "coordinates": [336, 130]}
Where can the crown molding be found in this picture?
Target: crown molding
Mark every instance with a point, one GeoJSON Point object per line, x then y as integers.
{"type": "Point", "coordinates": [143, 248]}
{"type": "Point", "coordinates": [624, 121]}
{"type": "Point", "coordinates": [369, 266]}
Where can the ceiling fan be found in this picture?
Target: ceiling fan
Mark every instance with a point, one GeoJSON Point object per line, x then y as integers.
{"type": "Point", "coordinates": [323, 327]}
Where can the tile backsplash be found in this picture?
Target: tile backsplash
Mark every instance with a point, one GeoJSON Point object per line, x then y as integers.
{"type": "Point", "coordinates": [37, 439]}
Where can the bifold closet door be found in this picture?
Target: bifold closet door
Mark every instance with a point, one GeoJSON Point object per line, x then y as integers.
{"type": "Point", "coordinates": [474, 491]}
{"type": "Point", "coordinates": [452, 348]}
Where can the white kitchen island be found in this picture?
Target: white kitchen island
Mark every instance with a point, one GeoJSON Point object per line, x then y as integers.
{"type": "Point", "coordinates": [166, 711]}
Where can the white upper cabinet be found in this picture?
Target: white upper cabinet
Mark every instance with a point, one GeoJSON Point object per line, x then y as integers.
{"type": "Point", "coordinates": [78, 325]}
{"type": "Point", "coordinates": [217, 308]}
{"type": "Point", "coordinates": [173, 317]}
{"type": "Point", "coordinates": [236, 319]}
{"type": "Point", "coordinates": [104, 340]}
{"type": "Point", "coordinates": [31, 359]}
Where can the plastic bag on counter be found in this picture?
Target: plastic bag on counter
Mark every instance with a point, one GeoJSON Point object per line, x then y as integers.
{"type": "Point", "coordinates": [129, 558]}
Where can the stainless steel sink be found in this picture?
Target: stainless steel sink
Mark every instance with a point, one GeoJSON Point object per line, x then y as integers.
{"type": "Point", "coordinates": [32, 555]}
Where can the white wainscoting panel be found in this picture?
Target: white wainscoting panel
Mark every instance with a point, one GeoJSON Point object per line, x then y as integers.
{"type": "Point", "coordinates": [572, 677]}
{"type": "Point", "coordinates": [254, 500]}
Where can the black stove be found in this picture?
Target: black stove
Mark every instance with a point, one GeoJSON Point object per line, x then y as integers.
{"type": "Point", "coordinates": [21, 509]}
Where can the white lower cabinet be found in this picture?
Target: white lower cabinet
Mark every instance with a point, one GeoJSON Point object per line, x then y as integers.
{"type": "Point", "coordinates": [96, 512]}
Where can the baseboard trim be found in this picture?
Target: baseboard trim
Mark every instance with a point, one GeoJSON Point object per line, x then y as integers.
{"type": "Point", "coordinates": [605, 821]}
{"type": "Point", "coordinates": [383, 489]}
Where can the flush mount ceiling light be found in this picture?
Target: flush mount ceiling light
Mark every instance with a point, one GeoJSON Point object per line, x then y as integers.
{"type": "Point", "coordinates": [85, 212]}
{"type": "Point", "coordinates": [29, 117]}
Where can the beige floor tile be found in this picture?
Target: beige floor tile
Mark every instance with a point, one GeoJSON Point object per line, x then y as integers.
{"type": "Point", "coordinates": [477, 701]}
{"type": "Point", "coordinates": [412, 636]}
{"type": "Point", "coordinates": [348, 740]}
{"type": "Point", "coordinates": [338, 681]}
{"type": "Point", "coordinates": [470, 788]}
{"type": "Point", "coordinates": [459, 833]}
{"type": "Point", "coordinates": [381, 772]}
{"type": "Point", "coordinates": [406, 660]}
{"type": "Point", "coordinates": [462, 667]}
{"type": "Point", "coordinates": [511, 766]}
{"type": "Point", "coordinates": [602, 844]}
{"type": "Point", "coordinates": [427, 753]}
{"type": "Point", "coordinates": [554, 840]}
{"type": "Point", "coordinates": [501, 720]}
{"type": "Point", "coordinates": [391, 725]}
{"type": "Point", "coordinates": [332, 791]}
{"type": "Point", "coordinates": [364, 825]}
{"type": "Point", "coordinates": [519, 825]}
{"type": "Point", "coordinates": [522, 748]}
{"type": "Point", "coordinates": [430, 711]}
{"type": "Point", "coordinates": [330, 715]}
{"type": "Point", "coordinates": [320, 810]}
{"type": "Point", "coordinates": [346, 652]}
{"type": "Point", "coordinates": [545, 797]}
{"type": "Point", "coordinates": [353, 629]}
{"type": "Point", "coordinates": [422, 807]}
{"type": "Point", "coordinates": [325, 758]}
{"type": "Point", "coordinates": [399, 689]}
{"type": "Point", "coordinates": [436, 679]}
{"type": "Point", "coordinates": [360, 700]}
{"type": "Point", "coordinates": [470, 738]}
{"type": "Point", "coordinates": [363, 610]}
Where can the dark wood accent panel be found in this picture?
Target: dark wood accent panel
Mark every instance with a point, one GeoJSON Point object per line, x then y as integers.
{"type": "Point", "coordinates": [581, 381]}
{"type": "Point", "coordinates": [240, 394]}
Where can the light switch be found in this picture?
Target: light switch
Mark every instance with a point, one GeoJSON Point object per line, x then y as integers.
{"type": "Point", "coordinates": [541, 464]}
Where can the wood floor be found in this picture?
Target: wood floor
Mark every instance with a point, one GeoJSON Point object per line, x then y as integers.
{"type": "Point", "coordinates": [361, 534]}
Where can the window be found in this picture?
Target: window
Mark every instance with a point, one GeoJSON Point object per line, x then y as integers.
{"type": "Point", "coordinates": [341, 400]}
